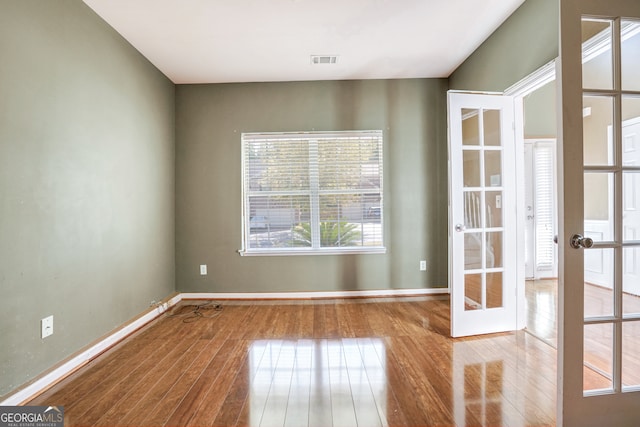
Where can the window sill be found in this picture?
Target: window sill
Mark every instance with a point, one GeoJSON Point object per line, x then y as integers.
{"type": "Point", "coordinates": [329, 251]}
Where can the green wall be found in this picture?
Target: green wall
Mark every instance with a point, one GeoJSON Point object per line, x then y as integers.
{"type": "Point", "coordinates": [522, 44]}
{"type": "Point", "coordinates": [209, 123]}
{"type": "Point", "coordinates": [540, 112]}
{"type": "Point", "coordinates": [86, 183]}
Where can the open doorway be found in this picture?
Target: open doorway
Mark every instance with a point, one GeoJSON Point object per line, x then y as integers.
{"type": "Point", "coordinates": [540, 212]}
{"type": "Point", "coordinates": [538, 95]}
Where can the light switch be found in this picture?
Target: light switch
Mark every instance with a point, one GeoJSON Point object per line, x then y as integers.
{"type": "Point", "coordinates": [203, 269]}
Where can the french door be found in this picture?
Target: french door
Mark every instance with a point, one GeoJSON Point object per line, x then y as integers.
{"type": "Point", "coordinates": [482, 214]}
{"type": "Point", "coordinates": [599, 326]}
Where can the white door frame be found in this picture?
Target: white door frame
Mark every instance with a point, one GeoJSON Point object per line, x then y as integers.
{"type": "Point", "coordinates": [526, 86]}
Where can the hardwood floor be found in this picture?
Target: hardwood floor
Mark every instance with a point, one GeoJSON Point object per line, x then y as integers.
{"type": "Point", "coordinates": [364, 362]}
{"type": "Point", "coordinates": [542, 308]}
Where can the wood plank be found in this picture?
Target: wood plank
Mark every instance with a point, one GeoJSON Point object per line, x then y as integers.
{"type": "Point", "coordinates": [135, 393]}
{"type": "Point", "coordinates": [364, 401]}
{"type": "Point", "coordinates": [320, 412]}
{"type": "Point", "coordinates": [275, 410]}
{"type": "Point", "coordinates": [342, 404]}
{"type": "Point", "coordinates": [113, 396]}
{"type": "Point", "coordinates": [374, 360]}
{"type": "Point", "coordinates": [297, 413]}
{"type": "Point", "coordinates": [212, 401]}
{"type": "Point", "coordinates": [165, 395]}
{"type": "Point", "coordinates": [236, 399]}
{"type": "Point", "coordinates": [425, 379]}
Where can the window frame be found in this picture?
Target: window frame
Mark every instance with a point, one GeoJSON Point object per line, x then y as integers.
{"type": "Point", "coordinates": [314, 193]}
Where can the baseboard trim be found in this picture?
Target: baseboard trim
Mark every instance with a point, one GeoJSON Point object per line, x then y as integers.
{"type": "Point", "coordinates": [76, 361]}
{"type": "Point", "coordinates": [311, 294]}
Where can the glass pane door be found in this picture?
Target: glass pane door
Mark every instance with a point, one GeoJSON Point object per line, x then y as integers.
{"type": "Point", "coordinates": [611, 146]}
{"type": "Point", "coordinates": [598, 322]}
{"type": "Point", "coordinates": [482, 192]}
{"type": "Point", "coordinates": [482, 177]}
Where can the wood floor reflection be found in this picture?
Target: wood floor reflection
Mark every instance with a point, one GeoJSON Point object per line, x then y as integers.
{"type": "Point", "coordinates": [542, 308]}
{"type": "Point", "coordinates": [355, 362]}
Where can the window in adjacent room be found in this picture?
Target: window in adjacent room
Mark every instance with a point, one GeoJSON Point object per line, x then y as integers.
{"type": "Point", "coordinates": [312, 192]}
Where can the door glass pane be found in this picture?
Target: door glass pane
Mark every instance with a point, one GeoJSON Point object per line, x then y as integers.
{"type": "Point", "coordinates": [598, 356]}
{"type": "Point", "coordinates": [598, 282]}
{"type": "Point", "coordinates": [472, 210]}
{"type": "Point", "coordinates": [494, 290]}
{"type": "Point", "coordinates": [597, 131]}
{"type": "Point", "coordinates": [631, 280]}
{"type": "Point", "coordinates": [472, 251]}
{"type": "Point", "coordinates": [493, 208]}
{"type": "Point", "coordinates": [494, 249]}
{"type": "Point", "coordinates": [493, 168]}
{"type": "Point", "coordinates": [471, 166]}
{"type": "Point", "coordinates": [630, 206]}
{"type": "Point", "coordinates": [491, 122]}
{"type": "Point", "coordinates": [598, 206]}
{"type": "Point", "coordinates": [470, 127]}
{"type": "Point", "coordinates": [630, 354]}
{"type": "Point", "coordinates": [631, 129]}
{"type": "Point", "coordinates": [630, 55]}
{"type": "Point", "coordinates": [472, 292]}
{"type": "Point", "coordinates": [597, 60]}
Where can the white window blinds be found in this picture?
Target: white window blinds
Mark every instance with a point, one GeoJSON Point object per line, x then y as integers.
{"type": "Point", "coordinates": [544, 205]}
{"type": "Point", "coordinates": [312, 192]}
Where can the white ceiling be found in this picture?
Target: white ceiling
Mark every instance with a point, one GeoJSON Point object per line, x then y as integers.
{"type": "Point", "coordinates": [215, 41]}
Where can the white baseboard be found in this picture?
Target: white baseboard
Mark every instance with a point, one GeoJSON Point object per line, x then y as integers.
{"type": "Point", "coordinates": [312, 294]}
{"type": "Point", "coordinates": [67, 367]}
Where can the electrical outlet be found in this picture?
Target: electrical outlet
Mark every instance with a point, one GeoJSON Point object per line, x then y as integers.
{"type": "Point", "coordinates": [46, 325]}
{"type": "Point", "coordinates": [423, 265]}
{"type": "Point", "coordinates": [203, 269]}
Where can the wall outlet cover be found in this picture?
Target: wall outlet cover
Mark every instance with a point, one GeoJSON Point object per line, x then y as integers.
{"type": "Point", "coordinates": [46, 325]}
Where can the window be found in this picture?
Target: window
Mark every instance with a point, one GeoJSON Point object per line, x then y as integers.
{"type": "Point", "coordinates": [310, 193]}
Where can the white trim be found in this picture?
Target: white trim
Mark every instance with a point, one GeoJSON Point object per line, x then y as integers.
{"type": "Point", "coordinates": [474, 92]}
{"type": "Point", "coordinates": [534, 81]}
{"type": "Point", "coordinates": [312, 294]}
{"type": "Point", "coordinates": [66, 368]}
{"type": "Point", "coordinates": [518, 129]}
{"type": "Point", "coordinates": [522, 88]}
{"type": "Point", "coordinates": [57, 374]}
{"type": "Point", "coordinates": [360, 250]}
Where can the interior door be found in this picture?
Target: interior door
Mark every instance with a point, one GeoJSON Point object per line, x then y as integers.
{"type": "Point", "coordinates": [598, 327]}
{"type": "Point", "coordinates": [482, 214]}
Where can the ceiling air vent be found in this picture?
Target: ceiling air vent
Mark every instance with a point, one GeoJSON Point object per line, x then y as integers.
{"type": "Point", "coordinates": [323, 59]}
